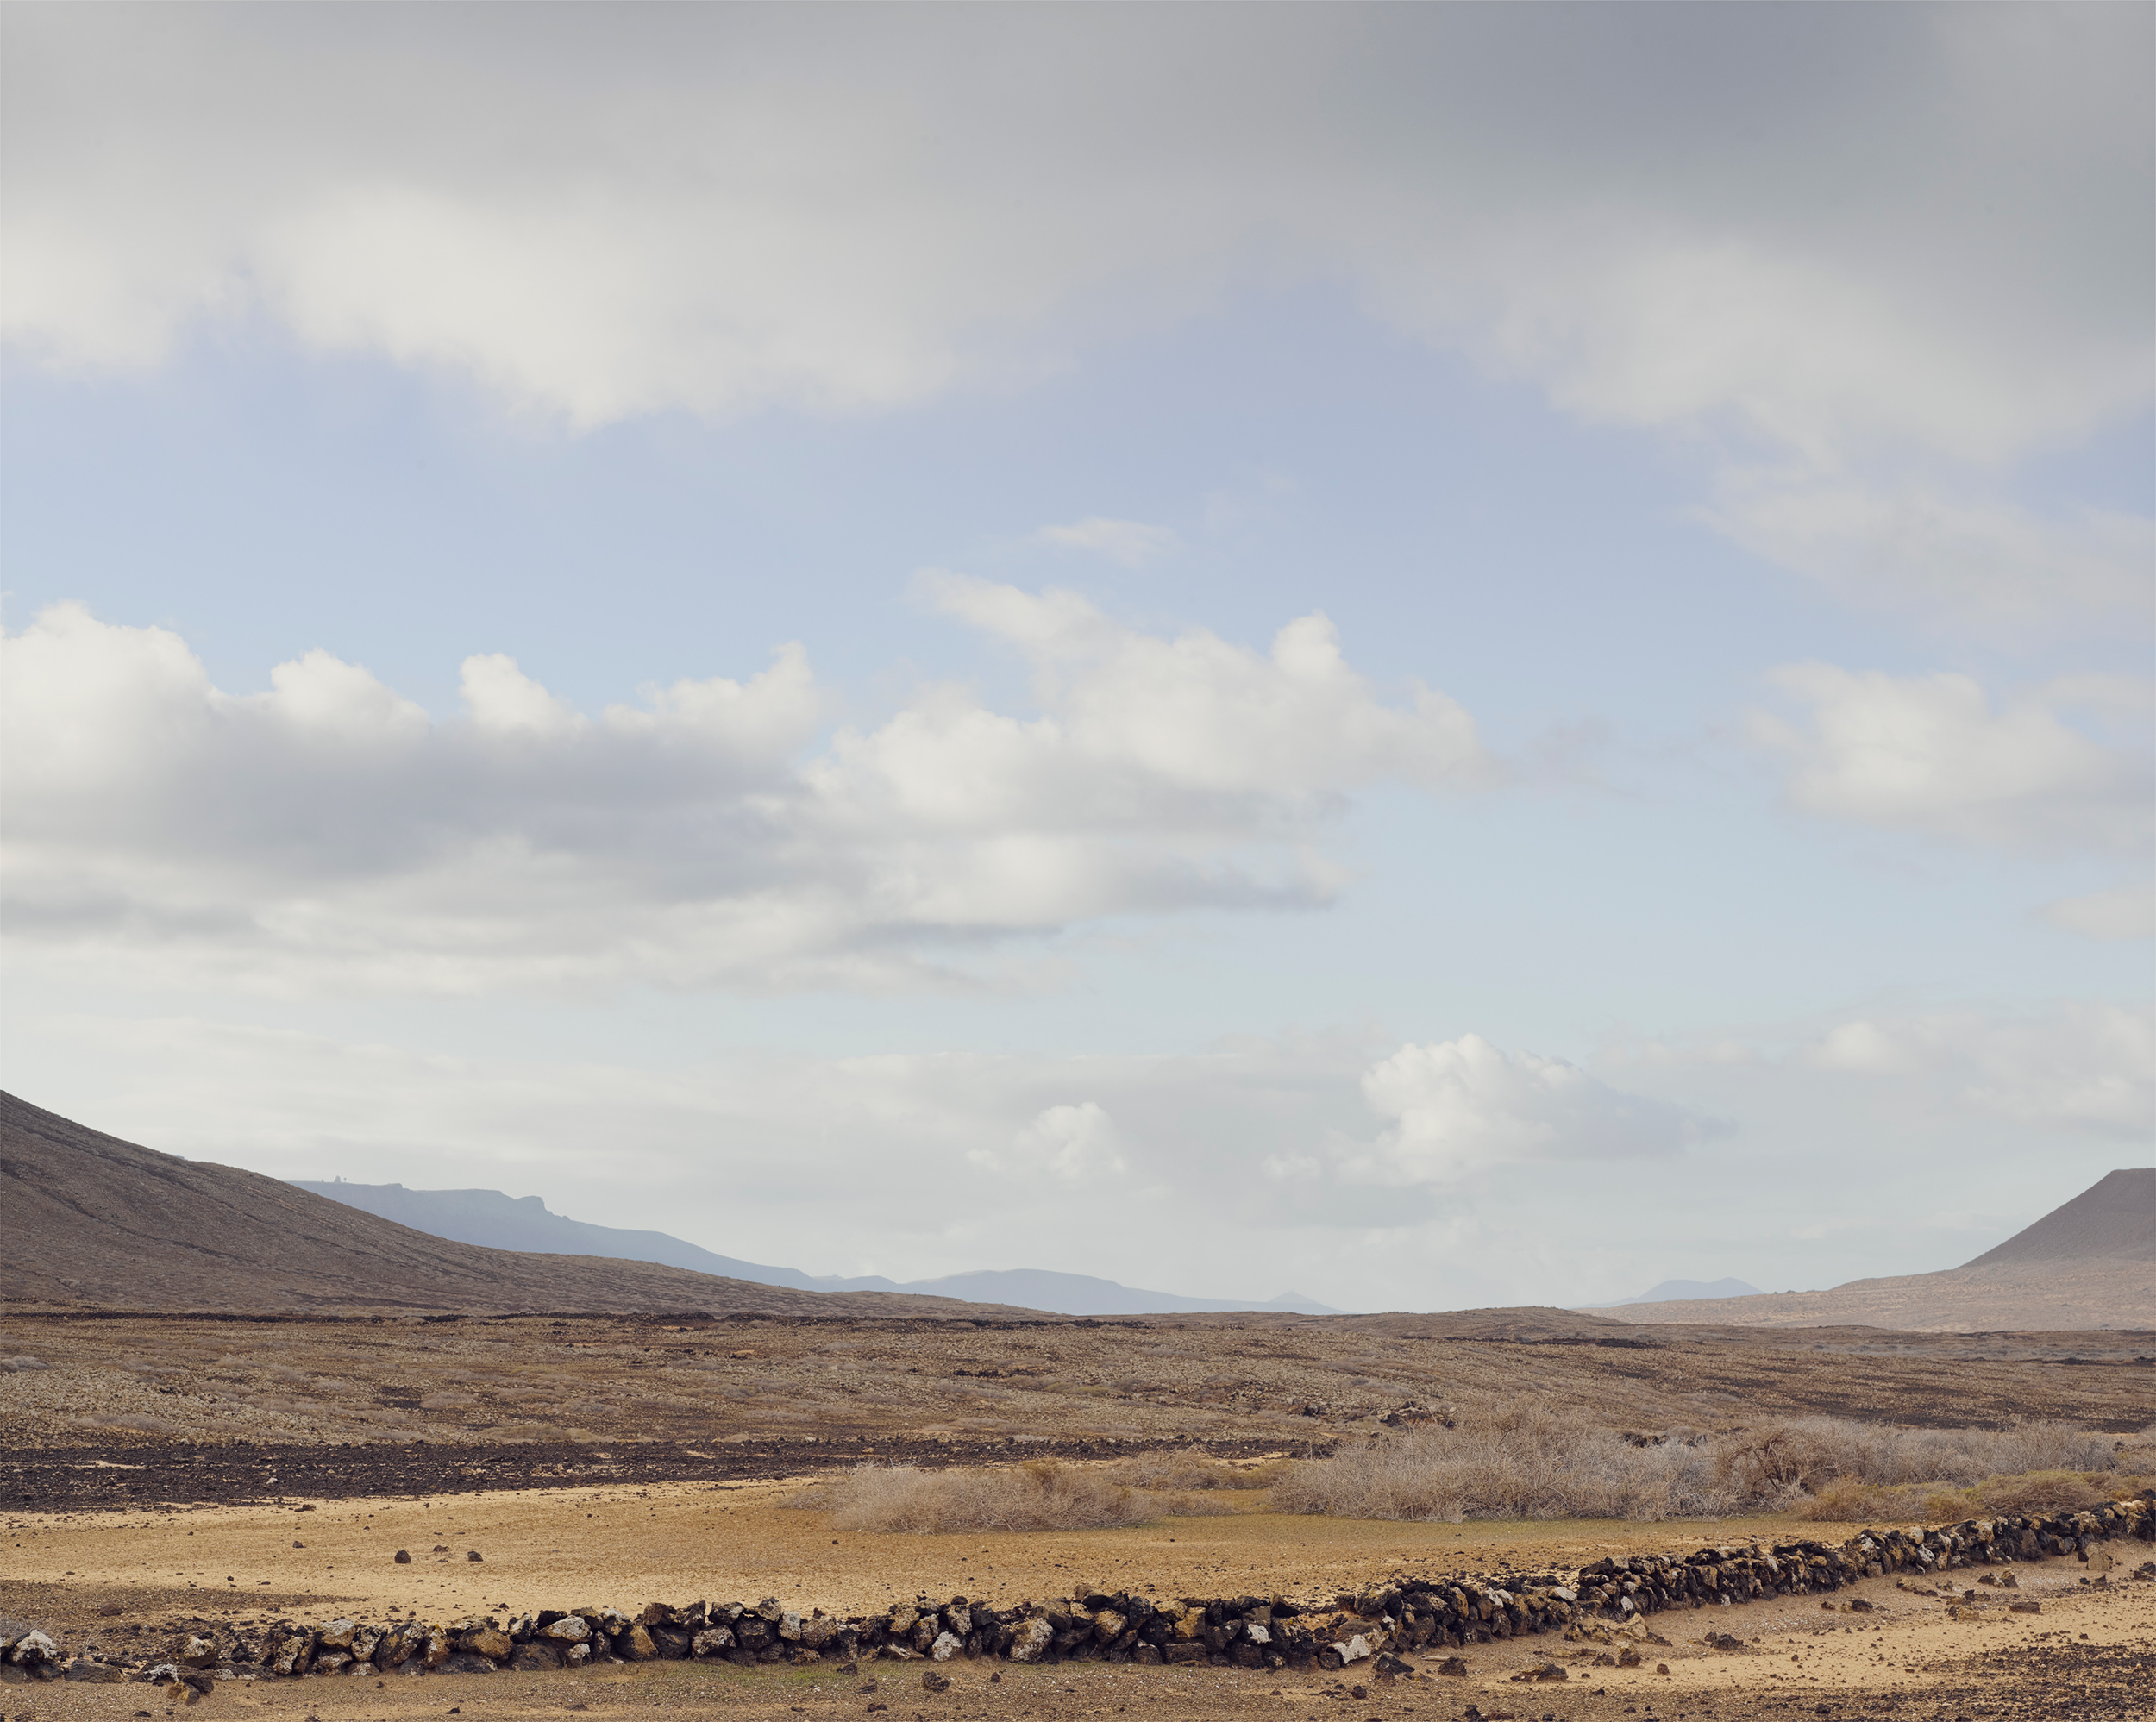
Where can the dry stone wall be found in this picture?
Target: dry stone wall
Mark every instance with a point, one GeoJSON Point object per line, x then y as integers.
{"type": "Point", "coordinates": [1384, 1625]}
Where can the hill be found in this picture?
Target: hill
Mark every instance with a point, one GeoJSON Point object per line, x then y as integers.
{"type": "Point", "coordinates": [87, 1220]}
{"type": "Point", "coordinates": [2113, 1217]}
{"type": "Point", "coordinates": [524, 1223]}
{"type": "Point", "coordinates": [2088, 1263]}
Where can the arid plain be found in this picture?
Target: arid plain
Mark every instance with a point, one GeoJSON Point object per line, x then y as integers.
{"type": "Point", "coordinates": [166, 1473]}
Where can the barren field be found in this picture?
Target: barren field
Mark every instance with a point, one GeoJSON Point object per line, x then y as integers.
{"type": "Point", "coordinates": [547, 1391]}
{"type": "Point", "coordinates": [2090, 1653]}
{"type": "Point", "coordinates": [155, 1471]}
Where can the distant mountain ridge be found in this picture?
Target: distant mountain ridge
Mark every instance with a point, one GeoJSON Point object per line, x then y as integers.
{"type": "Point", "coordinates": [1678, 1291]}
{"type": "Point", "coordinates": [524, 1223]}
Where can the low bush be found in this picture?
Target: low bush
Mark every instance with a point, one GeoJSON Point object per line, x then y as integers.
{"type": "Point", "coordinates": [1532, 1463]}
{"type": "Point", "coordinates": [1045, 1496]}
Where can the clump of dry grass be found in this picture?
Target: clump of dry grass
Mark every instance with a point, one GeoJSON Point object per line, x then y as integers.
{"type": "Point", "coordinates": [2036, 1493]}
{"type": "Point", "coordinates": [1043, 1496]}
{"type": "Point", "coordinates": [1518, 1464]}
{"type": "Point", "coordinates": [1525, 1462]}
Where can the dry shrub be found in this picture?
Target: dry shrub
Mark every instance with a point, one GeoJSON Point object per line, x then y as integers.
{"type": "Point", "coordinates": [1044, 1496]}
{"type": "Point", "coordinates": [1530, 1463]}
{"type": "Point", "coordinates": [1518, 1464]}
{"type": "Point", "coordinates": [1186, 1469]}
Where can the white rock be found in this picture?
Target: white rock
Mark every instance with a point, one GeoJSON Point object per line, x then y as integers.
{"type": "Point", "coordinates": [947, 1646]}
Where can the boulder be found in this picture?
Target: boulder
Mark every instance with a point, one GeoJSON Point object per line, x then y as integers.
{"type": "Point", "coordinates": [195, 1653]}
{"type": "Point", "coordinates": [635, 1645]}
{"type": "Point", "coordinates": [489, 1641]}
{"type": "Point", "coordinates": [1032, 1640]}
{"type": "Point", "coordinates": [33, 1648]}
{"type": "Point", "coordinates": [97, 1672]}
{"type": "Point", "coordinates": [712, 1641]}
{"type": "Point", "coordinates": [532, 1657]}
{"type": "Point", "coordinates": [466, 1662]}
{"type": "Point", "coordinates": [570, 1629]}
{"type": "Point", "coordinates": [944, 1646]}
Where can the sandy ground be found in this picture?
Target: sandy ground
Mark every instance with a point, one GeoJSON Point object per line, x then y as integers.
{"type": "Point", "coordinates": [1909, 1656]}
{"type": "Point", "coordinates": [679, 1544]}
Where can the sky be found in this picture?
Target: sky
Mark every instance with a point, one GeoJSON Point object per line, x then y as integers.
{"type": "Point", "coordinates": [1436, 656]}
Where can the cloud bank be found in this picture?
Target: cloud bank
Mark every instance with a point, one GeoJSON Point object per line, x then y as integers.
{"type": "Point", "coordinates": [329, 832]}
{"type": "Point", "coordinates": [1864, 255]}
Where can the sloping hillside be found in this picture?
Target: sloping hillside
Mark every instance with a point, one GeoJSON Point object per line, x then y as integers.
{"type": "Point", "coordinates": [2113, 1217]}
{"type": "Point", "coordinates": [87, 1220]}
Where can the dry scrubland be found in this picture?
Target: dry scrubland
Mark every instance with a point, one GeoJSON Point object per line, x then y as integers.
{"type": "Point", "coordinates": [1261, 1383]}
{"type": "Point", "coordinates": [151, 1468]}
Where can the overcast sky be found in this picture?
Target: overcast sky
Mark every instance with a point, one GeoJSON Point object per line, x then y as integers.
{"type": "Point", "coordinates": [1439, 655]}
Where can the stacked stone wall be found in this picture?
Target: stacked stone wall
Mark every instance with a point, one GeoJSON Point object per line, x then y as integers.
{"type": "Point", "coordinates": [1403, 1617]}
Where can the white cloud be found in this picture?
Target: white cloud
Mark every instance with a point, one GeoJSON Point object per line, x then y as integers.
{"type": "Point", "coordinates": [1460, 1108]}
{"type": "Point", "coordinates": [2083, 1068]}
{"type": "Point", "coordinates": [1931, 754]}
{"type": "Point", "coordinates": [1131, 542]}
{"type": "Point", "coordinates": [1922, 250]}
{"type": "Point", "coordinates": [1068, 1142]}
{"type": "Point", "coordinates": [328, 833]}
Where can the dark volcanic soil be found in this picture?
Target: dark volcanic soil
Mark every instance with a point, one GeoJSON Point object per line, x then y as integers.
{"type": "Point", "coordinates": [86, 1478]}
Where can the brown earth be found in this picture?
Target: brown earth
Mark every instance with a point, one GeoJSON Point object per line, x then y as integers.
{"type": "Point", "coordinates": [89, 1221]}
{"type": "Point", "coordinates": [423, 1398]}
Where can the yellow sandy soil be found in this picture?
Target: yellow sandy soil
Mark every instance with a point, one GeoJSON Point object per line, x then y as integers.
{"type": "Point", "coordinates": [682, 1543]}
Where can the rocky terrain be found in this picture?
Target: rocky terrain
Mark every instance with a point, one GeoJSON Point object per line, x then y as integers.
{"type": "Point", "coordinates": [837, 1388]}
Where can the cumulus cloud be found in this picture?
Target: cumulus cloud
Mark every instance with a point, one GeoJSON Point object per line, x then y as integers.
{"type": "Point", "coordinates": [1462, 1107]}
{"type": "Point", "coordinates": [1933, 754]}
{"type": "Point", "coordinates": [2085, 1069]}
{"type": "Point", "coordinates": [1131, 542]}
{"type": "Point", "coordinates": [329, 832]}
{"type": "Point", "coordinates": [1923, 248]}
{"type": "Point", "coordinates": [1070, 1143]}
